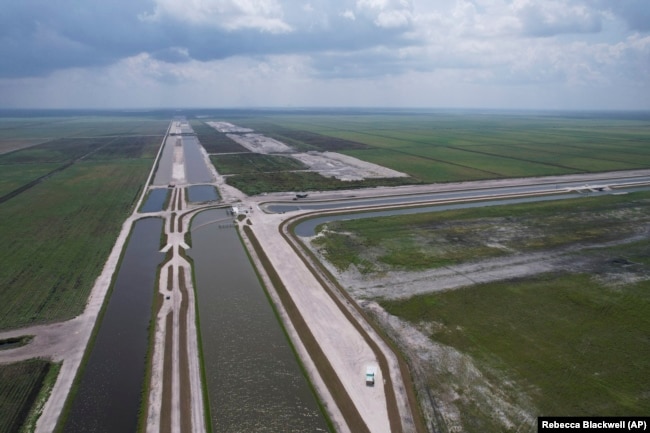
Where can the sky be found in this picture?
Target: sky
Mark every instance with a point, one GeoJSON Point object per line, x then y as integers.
{"type": "Point", "coordinates": [506, 54]}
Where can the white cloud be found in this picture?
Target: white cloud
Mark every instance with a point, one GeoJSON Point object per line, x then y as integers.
{"type": "Point", "coordinates": [262, 15]}
{"type": "Point", "coordinates": [552, 17]}
{"type": "Point", "coordinates": [335, 52]}
{"type": "Point", "coordinates": [348, 14]}
{"type": "Point", "coordinates": [387, 13]}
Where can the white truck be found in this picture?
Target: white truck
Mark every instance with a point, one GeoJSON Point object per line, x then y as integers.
{"type": "Point", "coordinates": [370, 376]}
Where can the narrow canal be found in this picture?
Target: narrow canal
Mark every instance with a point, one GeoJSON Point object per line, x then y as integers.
{"type": "Point", "coordinates": [308, 227]}
{"type": "Point", "coordinates": [110, 389]}
{"type": "Point", "coordinates": [254, 381]}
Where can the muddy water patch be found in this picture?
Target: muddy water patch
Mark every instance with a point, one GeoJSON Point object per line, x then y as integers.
{"type": "Point", "coordinates": [15, 342]}
{"type": "Point", "coordinates": [110, 388]}
{"type": "Point", "coordinates": [253, 378]}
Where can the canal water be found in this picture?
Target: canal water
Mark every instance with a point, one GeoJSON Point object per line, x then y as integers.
{"type": "Point", "coordinates": [164, 171]}
{"type": "Point", "coordinates": [196, 169]}
{"type": "Point", "coordinates": [254, 381]}
{"type": "Point", "coordinates": [202, 193]}
{"type": "Point", "coordinates": [108, 396]}
{"type": "Point", "coordinates": [308, 227]}
{"type": "Point", "coordinates": [155, 200]}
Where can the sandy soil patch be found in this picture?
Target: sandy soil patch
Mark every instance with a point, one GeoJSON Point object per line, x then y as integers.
{"type": "Point", "coordinates": [258, 143]}
{"type": "Point", "coordinates": [343, 167]}
{"type": "Point", "coordinates": [227, 127]}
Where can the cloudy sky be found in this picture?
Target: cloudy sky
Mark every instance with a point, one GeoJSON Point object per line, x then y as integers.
{"type": "Point", "coordinates": [539, 54]}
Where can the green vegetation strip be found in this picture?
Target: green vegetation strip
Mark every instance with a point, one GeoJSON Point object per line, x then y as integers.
{"type": "Point", "coordinates": [258, 183]}
{"type": "Point", "coordinates": [326, 371]}
{"type": "Point", "coordinates": [20, 384]}
{"type": "Point", "coordinates": [29, 426]}
{"type": "Point", "coordinates": [430, 240]}
{"type": "Point", "coordinates": [576, 346]}
{"type": "Point", "coordinates": [184, 362]}
{"type": "Point", "coordinates": [207, 418]}
{"type": "Point", "coordinates": [166, 404]}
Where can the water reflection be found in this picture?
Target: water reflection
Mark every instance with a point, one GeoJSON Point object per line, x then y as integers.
{"type": "Point", "coordinates": [155, 200]}
{"type": "Point", "coordinates": [254, 381]}
{"type": "Point", "coordinates": [202, 193]}
{"type": "Point", "coordinates": [108, 397]}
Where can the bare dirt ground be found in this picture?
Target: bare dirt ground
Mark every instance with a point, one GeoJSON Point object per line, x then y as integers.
{"type": "Point", "coordinates": [227, 127]}
{"type": "Point", "coordinates": [343, 167]}
{"type": "Point", "coordinates": [327, 164]}
{"type": "Point", "coordinates": [258, 143]}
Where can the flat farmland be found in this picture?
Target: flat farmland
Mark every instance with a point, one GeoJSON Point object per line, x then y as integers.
{"type": "Point", "coordinates": [64, 202]}
{"type": "Point", "coordinates": [57, 236]}
{"type": "Point", "coordinates": [14, 176]}
{"type": "Point", "coordinates": [20, 384]}
{"type": "Point", "coordinates": [444, 147]}
{"type": "Point", "coordinates": [24, 126]}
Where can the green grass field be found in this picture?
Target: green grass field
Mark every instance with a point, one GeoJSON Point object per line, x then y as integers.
{"type": "Point", "coordinates": [58, 235]}
{"type": "Point", "coordinates": [20, 384]}
{"type": "Point", "coordinates": [573, 346]}
{"type": "Point", "coordinates": [429, 240]}
{"type": "Point", "coordinates": [58, 232]}
{"type": "Point", "coordinates": [62, 125]}
{"type": "Point", "coordinates": [444, 147]}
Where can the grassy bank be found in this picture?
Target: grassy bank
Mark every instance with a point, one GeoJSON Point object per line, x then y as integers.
{"type": "Point", "coordinates": [572, 345]}
{"type": "Point", "coordinates": [429, 240]}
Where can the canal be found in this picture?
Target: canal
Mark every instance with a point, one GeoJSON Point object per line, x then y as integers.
{"type": "Point", "coordinates": [254, 381]}
{"type": "Point", "coordinates": [155, 200]}
{"type": "Point", "coordinates": [109, 392]}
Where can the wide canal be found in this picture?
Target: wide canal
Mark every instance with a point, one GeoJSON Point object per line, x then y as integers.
{"type": "Point", "coordinates": [254, 381]}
